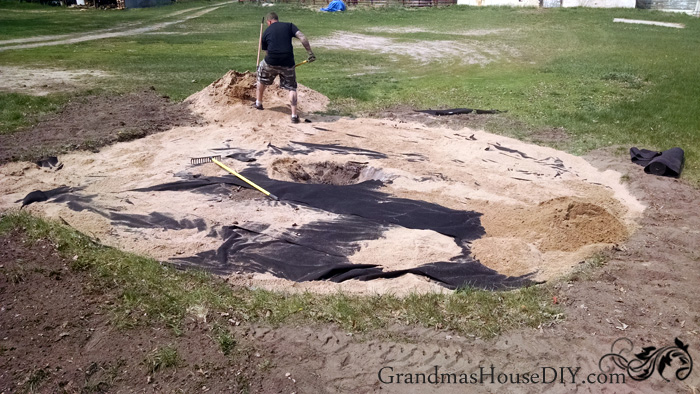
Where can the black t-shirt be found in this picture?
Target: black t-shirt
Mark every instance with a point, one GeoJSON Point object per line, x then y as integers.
{"type": "Point", "coordinates": [277, 41]}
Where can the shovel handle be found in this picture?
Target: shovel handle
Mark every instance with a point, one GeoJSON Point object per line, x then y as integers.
{"type": "Point", "coordinates": [246, 180]}
{"type": "Point", "coordinates": [262, 22]}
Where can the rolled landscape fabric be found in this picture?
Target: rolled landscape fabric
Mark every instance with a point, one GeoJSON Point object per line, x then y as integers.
{"type": "Point", "coordinates": [642, 156]}
{"type": "Point", "coordinates": [668, 163]}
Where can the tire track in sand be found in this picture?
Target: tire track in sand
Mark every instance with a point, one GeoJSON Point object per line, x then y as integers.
{"type": "Point", "coordinates": [123, 31]}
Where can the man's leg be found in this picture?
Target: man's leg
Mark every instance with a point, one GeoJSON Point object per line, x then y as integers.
{"type": "Point", "coordinates": [293, 101]}
{"type": "Point", "coordinates": [288, 81]}
{"type": "Point", "coordinates": [266, 75]}
{"type": "Point", "coordinates": [259, 93]}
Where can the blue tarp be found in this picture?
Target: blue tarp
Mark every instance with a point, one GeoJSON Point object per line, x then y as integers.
{"type": "Point", "coordinates": [335, 5]}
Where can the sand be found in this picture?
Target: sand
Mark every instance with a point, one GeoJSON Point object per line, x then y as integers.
{"type": "Point", "coordinates": [42, 81]}
{"type": "Point", "coordinates": [544, 210]}
{"type": "Point", "coordinates": [419, 51]}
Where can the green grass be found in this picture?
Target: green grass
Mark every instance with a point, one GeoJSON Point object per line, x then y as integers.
{"type": "Point", "coordinates": [162, 358]}
{"type": "Point", "coordinates": [604, 83]}
{"type": "Point", "coordinates": [151, 293]}
{"type": "Point", "coordinates": [19, 110]}
{"type": "Point", "coordinates": [224, 338]}
{"type": "Point", "coordinates": [21, 19]}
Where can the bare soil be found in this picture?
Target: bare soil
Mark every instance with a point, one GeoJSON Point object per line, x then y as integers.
{"type": "Point", "coordinates": [89, 123]}
{"type": "Point", "coordinates": [325, 172]}
{"type": "Point", "coordinates": [43, 81]}
{"type": "Point", "coordinates": [56, 337]}
{"type": "Point", "coordinates": [419, 51]}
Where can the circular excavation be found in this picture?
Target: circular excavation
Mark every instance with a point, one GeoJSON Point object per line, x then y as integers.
{"type": "Point", "coordinates": [327, 172]}
{"type": "Point", "coordinates": [366, 205]}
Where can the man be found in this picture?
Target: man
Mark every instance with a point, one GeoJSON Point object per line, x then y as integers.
{"type": "Point", "coordinates": [277, 42]}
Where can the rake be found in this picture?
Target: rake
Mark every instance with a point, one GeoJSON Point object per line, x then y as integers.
{"type": "Point", "coordinates": [215, 159]}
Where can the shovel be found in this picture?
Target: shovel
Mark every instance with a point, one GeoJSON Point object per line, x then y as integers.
{"type": "Point", "coordinates": [215, 159]}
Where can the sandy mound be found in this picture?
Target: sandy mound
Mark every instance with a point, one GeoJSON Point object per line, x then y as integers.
{"type": "Point", "coordinates": [538, 211]}
{"type": "Point", "coordinates": [238, 89]}
{"type": "Point", "coordinates": [562, 223]}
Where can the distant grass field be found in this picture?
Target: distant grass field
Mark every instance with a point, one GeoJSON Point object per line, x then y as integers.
{"type": "Point", "coordinates": [604, 83]}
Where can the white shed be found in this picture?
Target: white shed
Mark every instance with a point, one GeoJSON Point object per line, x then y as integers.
{"type": "Point", "coordinates": [553, 3]}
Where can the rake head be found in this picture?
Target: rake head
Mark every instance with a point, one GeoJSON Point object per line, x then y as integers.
{"type": "Point", "coordinates": [202, 160]}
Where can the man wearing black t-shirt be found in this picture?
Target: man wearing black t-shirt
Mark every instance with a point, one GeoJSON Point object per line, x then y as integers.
{"type": "Point", "coordinates": [277, 41]}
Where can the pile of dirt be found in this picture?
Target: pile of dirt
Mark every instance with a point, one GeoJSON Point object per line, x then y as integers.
{"type": "Point", "coordinates": [89, 123]}
{"type": "Point", "coordinates": [239, 88]}
{"type": "Point", "coordinates": [560, 224]}
{"type": "Point", "coordinates": [236, 86]}
{"type": "Point", "coordinates": [549, 237]}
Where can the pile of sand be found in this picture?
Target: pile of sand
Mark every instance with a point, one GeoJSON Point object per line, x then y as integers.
{"type": "Point", "coordinates": [563, 223]}
{"type": "Point", "coordinates": [543, 210]}
{"type": "Point", "coordinates": [237, 89]}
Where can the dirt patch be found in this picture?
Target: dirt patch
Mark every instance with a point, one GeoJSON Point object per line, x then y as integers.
{"type": "Point", "coordinates": [420, 51]}
{"type": "Point", "coordinates": [40, 82]}
{"type": "Point", "coordinates": [89, 123]}
{"type": "Point", "coordinates": [57, 336]}
{"type": "Point", "coordinates": [564, 224]}
{"type": "Point", "coordinates": [224, 99]}
{"type": "Point", "coordinates": [404, 30]}
{"type": "Point", "coordinates": [326, 172]}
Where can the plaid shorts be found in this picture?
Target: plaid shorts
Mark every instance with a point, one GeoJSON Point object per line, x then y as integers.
{"type": "Point", "coordinates": [267, 74]}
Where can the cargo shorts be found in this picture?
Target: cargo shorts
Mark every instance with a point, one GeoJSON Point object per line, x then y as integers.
{"type": "Point", "coordinates": [267, 74]}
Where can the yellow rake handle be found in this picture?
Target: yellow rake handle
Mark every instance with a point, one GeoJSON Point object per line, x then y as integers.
{"type": "Point", "coordinates": [263, 191]}
{"type": "Point", "coordinates": [297, 65]}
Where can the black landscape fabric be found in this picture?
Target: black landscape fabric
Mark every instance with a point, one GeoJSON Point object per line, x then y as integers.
{"type": "Point", "coordinates": [317, 250]}
{"type": "Point", "coordinates": [50, 162]}
{"type": "Point", "coordinates": [642, 156]}
{"type": "Point", "coordinates": [40, 196]}
{"type": "Point", "coordinates": [458, 111]}
{"type": "Point", "coordinates": [320, 250]}
{"type": "Point", "coordinates": [667, 163]}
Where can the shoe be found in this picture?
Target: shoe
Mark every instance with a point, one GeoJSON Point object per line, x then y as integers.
{"type": "Point", "coordinates": [295, 119]}
{"type": "Point", "coordinates": [258, 106]}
